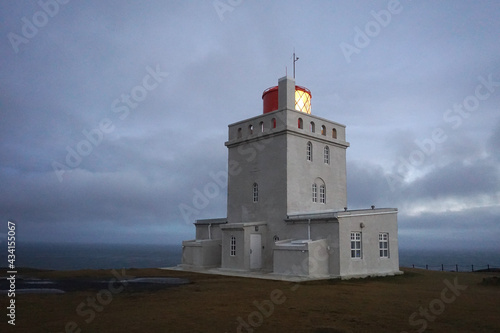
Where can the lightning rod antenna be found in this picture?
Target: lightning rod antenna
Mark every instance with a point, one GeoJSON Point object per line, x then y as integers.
{"type": "Point", "coordinates": [294, 61]}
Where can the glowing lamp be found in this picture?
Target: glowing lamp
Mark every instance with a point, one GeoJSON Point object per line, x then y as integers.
{"type": "Point", "coordinates": [302, 99]}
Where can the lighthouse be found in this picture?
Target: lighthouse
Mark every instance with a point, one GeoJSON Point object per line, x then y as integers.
{"type": "Point", "coordinates": [287, 200]}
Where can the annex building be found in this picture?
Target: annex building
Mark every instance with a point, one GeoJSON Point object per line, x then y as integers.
{"type": "Point", "coordinates": [287, 201]}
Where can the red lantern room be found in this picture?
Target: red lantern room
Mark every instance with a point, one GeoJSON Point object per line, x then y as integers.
{"type": "Point", "coordinates": [302, 99]}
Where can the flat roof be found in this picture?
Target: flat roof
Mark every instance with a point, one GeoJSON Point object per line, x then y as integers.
{"type": "Point", "coordinates": [334, 215]}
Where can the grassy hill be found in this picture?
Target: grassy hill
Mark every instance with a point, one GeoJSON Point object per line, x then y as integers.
{"type": "Point", "coordinates": [417, 301]}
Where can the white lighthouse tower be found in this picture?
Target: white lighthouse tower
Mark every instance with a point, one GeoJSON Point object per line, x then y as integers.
{"type": "Point", "coordinates": [287, 201]}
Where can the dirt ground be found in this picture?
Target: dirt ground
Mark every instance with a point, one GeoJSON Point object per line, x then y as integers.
{"type": "Point", "coordinates": [417, 301]}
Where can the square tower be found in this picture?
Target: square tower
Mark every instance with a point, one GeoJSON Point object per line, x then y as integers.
{"type": "Point", "coordinates": [281, 163]}
{"type": "Point", "coordinates": [287, 200]}
{"type": "Point", "coordinates": [285, 162]}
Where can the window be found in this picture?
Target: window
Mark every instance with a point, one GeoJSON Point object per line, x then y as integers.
{"type": "Point", "coordinates": [323, 130]}
{"type": "Point", "coordinates": [309, 151]}
{"type": "Point", "coordinates": [233, 246]}
{"type": "Point", "coordinates": [356, 245]}
{"type": "Point", "coordinates": [322, 194]}
{"type": "Point", "coordinates": [261, 125]}
{"type": "Point", "coordinates": [255, 192]}
{"type": "Point", "coordinates": [326, 155]}
{"type": "Point", "coordinates": [300, 123]}
{"type": "Point", "coordinates": [334, 133]}
{"type": "Point", "coordinates": [315, 193]}
{"type": "Point", "coordinates": [312, 128]}
{"type": "Point", "coordinates": [239, 133]}
{"type": "Point", "coordinates": [250, 129]}
{"type": "Point", "coordinates": [383, 244]}
{"type": "Point", "coordinates": [273, 122]}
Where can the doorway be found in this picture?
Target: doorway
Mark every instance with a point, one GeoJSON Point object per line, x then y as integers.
{"type": "Point", "coordinates": [255, 251]}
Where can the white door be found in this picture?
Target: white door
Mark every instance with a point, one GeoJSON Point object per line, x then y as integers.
{"type": "Point", "coordinates": [255, 251]}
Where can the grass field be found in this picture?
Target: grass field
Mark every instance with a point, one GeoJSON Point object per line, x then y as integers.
{"type": "Point", "coordinates": [417, 301]}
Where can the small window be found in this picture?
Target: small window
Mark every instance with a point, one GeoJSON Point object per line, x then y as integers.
{"type": "Point", "coordinates": [383, 244]}
{"type": "Point", "coordinates": [273, 122]}
{"type": "Point", "coordinates": [356, 245]}
{"type": "Point", "coordinates": [250, 129]}
{"type": "Point", "coordinates": [239, 133]}
{"type": "Point", "coordinates": [233, 246]}
{"type": "Point", "coordinates": [326, 155]}
{"type": "Point", "coordinates": [323, 130]}
{"type": "Point", "coordinates": [309, 151]}
{"type": "Point", "coordinates": [300, 123]}
{"type": "Point", "coordinates": [261, 126]}
{"type": "Point", "coordinates": [334, 133]}
{"type": "Point", "coordinates": [312, 127]}
{"type": "Point", "coordinates": [322, 194]}
{"type": "Point", "coordinates": [255, 192]}
{"type": "Point", "coordinates": [315, 193]}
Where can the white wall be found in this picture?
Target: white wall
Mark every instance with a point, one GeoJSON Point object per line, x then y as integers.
{"type": "Point", "coordinates": [381, 220]}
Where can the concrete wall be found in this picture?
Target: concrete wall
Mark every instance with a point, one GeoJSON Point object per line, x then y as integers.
{"type": "Point", "coordinates": [291, 259]}
{"type": "Point", "coordinates": [306, 258]}
{"type": "Point", "coordinates": [242, 231]}
{"type": "Point", "coordinates": [258, 158]}
{"type": "Point", "coordinates": [301, 173]}
{"type": "Point", "coordinates": [201, 253]}
{"type": "Point", "coordinates": [275, 159]}
{"type": "Point", "coordinates": [318, 258]}
{"type": "Point", "coordinates": [262, 162]}
{"type": "Point", "coordinates": [327, 231]}
{"type": "Point", "coordinates": [209, 228]}
{"type": "Point", "coordinates": [370, 223]}
{"type": "Point", "coordinates": [236, 262]}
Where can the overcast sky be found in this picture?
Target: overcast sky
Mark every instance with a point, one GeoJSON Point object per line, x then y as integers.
{"type": "Point", "coordinates": [114, 114]}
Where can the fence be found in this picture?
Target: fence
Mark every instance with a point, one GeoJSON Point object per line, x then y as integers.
{"type": "Point", "coordinates": [461, 268]}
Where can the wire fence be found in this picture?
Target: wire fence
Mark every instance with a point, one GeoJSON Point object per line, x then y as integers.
{"type": "Point", "coordinates": [460, 268]}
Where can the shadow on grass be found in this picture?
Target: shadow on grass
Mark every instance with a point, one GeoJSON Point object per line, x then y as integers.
{"type": "Point", "coordinates": [395, 279]}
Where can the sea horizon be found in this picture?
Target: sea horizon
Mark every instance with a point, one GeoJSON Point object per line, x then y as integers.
{"type": "Point", "coordinates": [76, 256]}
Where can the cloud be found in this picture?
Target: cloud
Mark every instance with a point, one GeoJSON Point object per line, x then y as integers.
{"type": "Point", "coordinates": [65, 79]}
{"type": "Point", "coordinates": [473, 228]}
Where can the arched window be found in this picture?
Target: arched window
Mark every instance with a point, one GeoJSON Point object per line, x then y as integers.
{"type": "Point", "coordinates": [250, 129]}
{"type": "Point", "coordinates": [334, 133]}
{"type": "Point", "coordinates": [323, 130]}
{"type": "Point", "coordinates": [261, 125]}
{"type": "Point", "coordinates": [273, 122]}
{"type": "Point", "coordinates": [232, 251]}
{"type": "Point", "coordinates": [309, 151]}
{"type": "Point", "coordinates": [300, 123]}
{"type": "Point", "coordinates": [312, 127]}
{"type": "Point", "coordinates": [255, 192]}
{"type": "Point", "coordinates": [322, 194]}
{"type": "Point", "coordinates": [315, 192]}
{"type": "Point", "coordinates": [239, 133]}
{"type": "Point", "coordinates": [326, 155]}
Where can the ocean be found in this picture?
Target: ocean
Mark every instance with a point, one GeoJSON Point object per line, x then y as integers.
{"type": "Point", "coordinates": [68, 256]}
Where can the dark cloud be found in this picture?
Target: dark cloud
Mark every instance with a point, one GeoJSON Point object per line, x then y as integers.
{"type": "Point", "coordinates": [494, 142]}
{"type": "Point", "coordinates": [469, 229]}
{"type": "Point", "coordinates": [457, 180]}
{"type": "Point", "coordinates": [366, 186]}
{"type": "Point", "coordinates": [63, 81]}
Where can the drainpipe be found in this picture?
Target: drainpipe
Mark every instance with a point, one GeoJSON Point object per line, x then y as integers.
{"type": "Point", "coordinates": [309, 229]}
{"type": "Point", "coordinates": [209, 233]}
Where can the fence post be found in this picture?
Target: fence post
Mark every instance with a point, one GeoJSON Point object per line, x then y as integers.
{"type": "Point", "coordinates": [472, 268]}
{"type": "Point", "coordinates": [488, 267]}
{"type": "Point", "coordinates": [456, 267]}
{"type": "Point", "coordinates": [413, 265]}
{"type": "Point", "coordinates": [442, 267]}
{"type": "Point", "coordinates": [426, 266]}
